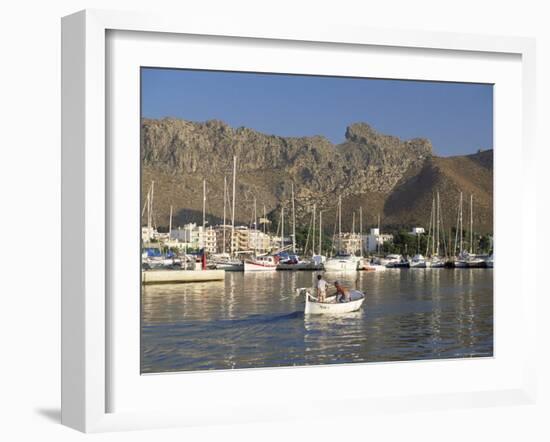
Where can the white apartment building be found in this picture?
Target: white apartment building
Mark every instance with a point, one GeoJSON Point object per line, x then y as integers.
{"type": "Point", "coordinates": [259, 241]}
{"type": "Point", "coordinates": [195, 237]}
{"type": "Point", "coordinates": [375, 240]}
{"type": "Point", "coordinates": [349, 243]}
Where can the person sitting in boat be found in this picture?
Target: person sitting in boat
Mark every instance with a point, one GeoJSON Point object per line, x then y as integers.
{"type": "Point", "coordinates": [321, 288]}
{"type": "Point", "coordinates": [342, 293]}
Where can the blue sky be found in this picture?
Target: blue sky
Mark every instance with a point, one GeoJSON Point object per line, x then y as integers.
{"type": "Point", "coordinates": [456, 117]}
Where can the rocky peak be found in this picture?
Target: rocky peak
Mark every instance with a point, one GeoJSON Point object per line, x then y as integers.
{"type": "Point", "coordinates": [365, 134]}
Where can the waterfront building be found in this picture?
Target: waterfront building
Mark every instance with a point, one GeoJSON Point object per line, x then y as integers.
{"type": "Point", "coordinates": [195, 237]}
{"type": "Point", "coordinates": [241, 239]}
{"type": "Point", "coordinates": [349, 243]}
{"type": "Point", "coordinates": [148, 233]}
{"type": "Point", "coordinates": [219, 229]}
{"type": "Point", "coordinates": [375, 240]}
{"type": "Point", "coordinates": [259, 241]}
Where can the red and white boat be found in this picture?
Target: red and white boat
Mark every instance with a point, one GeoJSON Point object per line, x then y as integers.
{"type": "Point", "coordinates": [266, 263]}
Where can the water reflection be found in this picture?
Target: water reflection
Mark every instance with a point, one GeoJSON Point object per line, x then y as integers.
{"type": "Point", "coordinates": [256, 320]}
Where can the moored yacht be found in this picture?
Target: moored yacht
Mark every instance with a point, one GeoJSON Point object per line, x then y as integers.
{"type": "Point", "coordinates": [418, 261]}
{"type": "Point", "coordinates": [469, 261]}
{"type": "Point", "coordinates": [264, 263]}
{"type": "Point", "coordinates": [341, 263]}
{"type": "Point", "coordinates": [436, 262]}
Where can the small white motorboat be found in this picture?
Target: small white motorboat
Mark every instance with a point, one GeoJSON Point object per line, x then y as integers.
{"type": "Point", "coordinates": [331, 305]}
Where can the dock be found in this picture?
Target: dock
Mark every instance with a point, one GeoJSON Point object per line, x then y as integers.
{"type": "Point", "coordinates": [180, 276]}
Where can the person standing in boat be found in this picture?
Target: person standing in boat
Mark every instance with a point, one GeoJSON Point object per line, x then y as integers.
{"type": "Point", "coordinates": [321, 288]}
{"type": "Point", "coordinates": [342, 293]}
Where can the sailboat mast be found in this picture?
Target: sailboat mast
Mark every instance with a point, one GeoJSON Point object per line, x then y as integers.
{"type": "Point", "coordinates": [438, 222]}
{"type": "Point", "coordinates": [339, 216]}
{"type": "Point", "coordinates": [378, 239]}
{"type": "Point", "coordinates": [233, 208]}
{"type": "Point", "coordinates": [461, 225]}
{"type": "Point", "coordinates": [255, 216]}
{"type": "Point", "coordinates": [361, 229]}
{"type": "Point", "coordinates": [170, 225]}
{"type": "Point", "coordinates": [255, 227]}
{"type": "Point", "coordinates": [224, 211]}
{"type": "Point", "coordinates": [320, 231]}
{"type": "Point", "coordinates": [152, 196]}
{"type": "Point", "coordinates": [149, 213]}
{"type": "Point", "coordinates": [203, 236]}
{"type": "Point", "coordinates": [265, 220]}
{"type": "Point", "coordinates": [282, 228]}
{"type": "Point", "coordinates": [293, 222]}
{"type": "Point", "coordinates": [430, 231]}
{"type": "Point", "coordinates": [433, 226]}
{"type": "Point", "coordinates": [313, 232]}
{"type": "Point", "coordinates": [450, 241]}
{"type": "Point", "coordinates": [471, 223]}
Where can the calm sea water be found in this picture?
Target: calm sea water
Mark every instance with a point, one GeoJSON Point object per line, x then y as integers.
{"type": "Point", "coordinates": [256, 320]}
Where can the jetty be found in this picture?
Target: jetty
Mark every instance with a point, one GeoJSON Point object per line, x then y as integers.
{"type": "Point", "coordinates": [177, 276]}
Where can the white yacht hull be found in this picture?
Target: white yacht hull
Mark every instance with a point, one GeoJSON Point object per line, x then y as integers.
{"type": "Point", "coordinates": [418, 265]}
{"type": "Point", "coordinates": [340, 265]}
{"type": "Point", "coordinates": [256, 267]}
{"type": "Point", "coordinates": [230, 267]}
{"type": "Point", "coordinates": [300, 266]}
{"type": "Point", "coordinates": [375, 267]}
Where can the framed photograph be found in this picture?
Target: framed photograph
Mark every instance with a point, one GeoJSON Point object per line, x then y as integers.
{"type": "Point", "coordinates": [262, 223]}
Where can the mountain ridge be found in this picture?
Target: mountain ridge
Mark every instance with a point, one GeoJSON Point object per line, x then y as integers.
{"type": "Point", "coordinates": [382, 173]}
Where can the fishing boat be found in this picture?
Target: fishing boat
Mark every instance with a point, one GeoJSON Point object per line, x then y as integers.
{"type": "Point", "coordinates": [331, 306]}
{"type": "Point", "coordinates": [264, 263]}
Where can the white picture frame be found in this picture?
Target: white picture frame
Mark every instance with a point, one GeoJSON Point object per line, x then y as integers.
{"type": "Point", "coordinates": [86, 315]}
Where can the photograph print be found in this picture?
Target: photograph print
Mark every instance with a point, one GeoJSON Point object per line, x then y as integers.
{"type": "Point", "coordinates": [301, 220]}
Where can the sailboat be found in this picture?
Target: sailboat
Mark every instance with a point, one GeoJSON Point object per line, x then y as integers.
{"type": "Point", "coordinates": [293, 261]}
{"type": "Point", "coordinates": [228, 261]}
{"type": "Point", "coordinates": [467, 259]}
{"type": "Point", "coordinates": [418, 261]}
{"type": "Point", "coordinates": [260, 263]}
{"type": "Point", "coordinates": [437, 261]}
{"type": "Point", "coordinates": [342, 262]}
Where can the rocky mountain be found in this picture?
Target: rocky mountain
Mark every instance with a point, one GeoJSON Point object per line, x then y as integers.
{"type": "Point", "coordinates": [379, 172]}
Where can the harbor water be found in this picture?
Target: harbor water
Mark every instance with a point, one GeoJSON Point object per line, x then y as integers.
{"type": "Point", "coordinates": [256, 320]}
